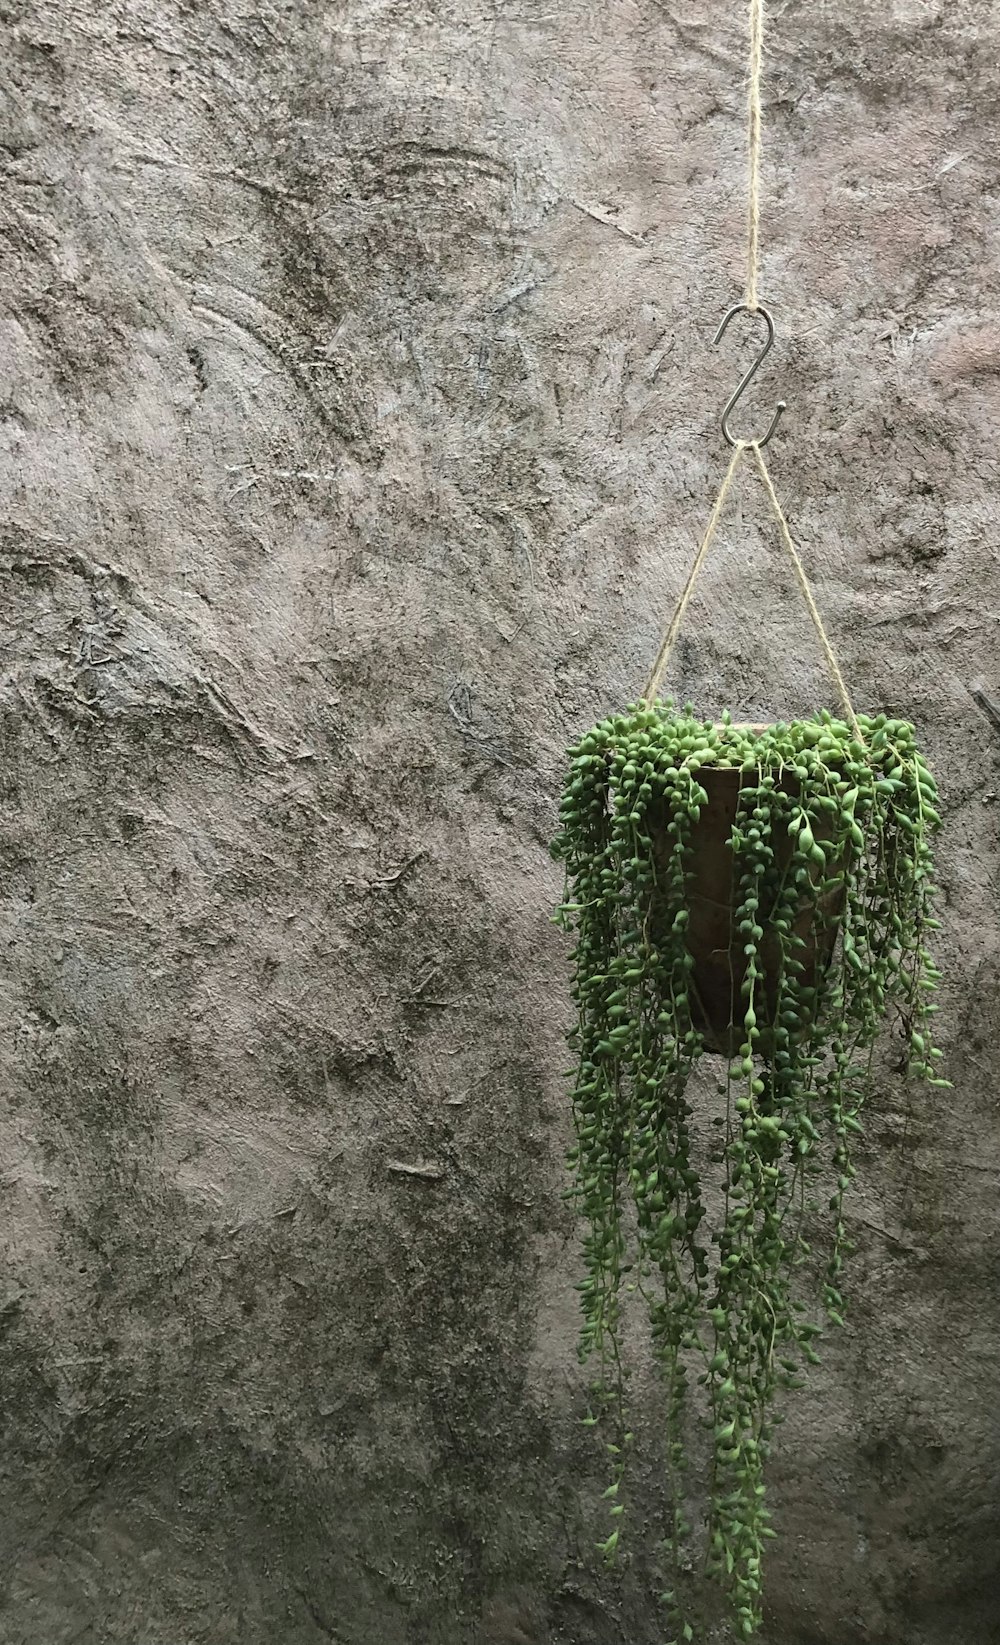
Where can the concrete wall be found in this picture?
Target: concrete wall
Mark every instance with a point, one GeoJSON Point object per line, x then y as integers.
{"type": "Point", "coordinates": [359, 418]}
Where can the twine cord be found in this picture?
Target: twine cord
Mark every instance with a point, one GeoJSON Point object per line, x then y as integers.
{"type": "Point", "coordinates": [754, 142]}
{"type": "Point", "coordinates": [670, 638]}
{"type": "Point", "coordinates": [807, 593]}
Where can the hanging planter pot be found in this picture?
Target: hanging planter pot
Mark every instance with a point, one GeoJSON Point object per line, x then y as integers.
{"type": "Point", "coordinates": [764, 892]}
{"type": "Point", "coordinates": [719, 961]}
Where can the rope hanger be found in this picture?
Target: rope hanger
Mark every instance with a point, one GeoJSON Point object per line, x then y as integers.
{"type": "Point", "coordinates": [751, 305]}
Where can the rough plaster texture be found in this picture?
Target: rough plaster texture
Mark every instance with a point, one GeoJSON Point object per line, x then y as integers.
{"type": "Point", "coordinates": [359, 414]}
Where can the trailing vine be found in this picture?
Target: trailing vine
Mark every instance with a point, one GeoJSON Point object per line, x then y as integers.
{"type": "Point", "coordinates": [830, 849]}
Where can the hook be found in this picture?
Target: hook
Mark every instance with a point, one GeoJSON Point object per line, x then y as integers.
{"type": "Point", "coordinates": [740, 309]}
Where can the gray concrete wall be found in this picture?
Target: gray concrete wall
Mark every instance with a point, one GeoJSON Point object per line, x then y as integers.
{"type": "Point", "coordinates": [359, 418]}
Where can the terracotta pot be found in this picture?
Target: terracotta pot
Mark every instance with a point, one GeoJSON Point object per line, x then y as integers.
{"type": "Point", "coordinates": [719, 961]}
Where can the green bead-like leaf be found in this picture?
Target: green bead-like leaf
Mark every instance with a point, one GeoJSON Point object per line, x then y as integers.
{"type": "Point", "coordinates": [832, 836]}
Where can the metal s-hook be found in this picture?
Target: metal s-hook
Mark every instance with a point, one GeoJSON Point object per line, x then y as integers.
{"type": "Point", "coordinates": [744, 308]}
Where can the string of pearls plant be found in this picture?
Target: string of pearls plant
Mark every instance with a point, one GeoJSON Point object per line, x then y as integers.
{"type": "Point", "coordinates": [827, 826]}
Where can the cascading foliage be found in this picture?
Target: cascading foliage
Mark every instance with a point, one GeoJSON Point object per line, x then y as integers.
{"type": "Point", "coordinates": [826, 824]}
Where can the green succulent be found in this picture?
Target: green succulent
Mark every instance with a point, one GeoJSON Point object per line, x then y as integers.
{"type": "Point", "coordinates": [827, 826]}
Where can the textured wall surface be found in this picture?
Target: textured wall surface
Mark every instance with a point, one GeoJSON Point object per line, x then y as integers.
{"type": "Point", "coordinates": [358, 416]}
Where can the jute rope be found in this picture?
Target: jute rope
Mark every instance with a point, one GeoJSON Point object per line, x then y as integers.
{"type": "Point", "coordinates": [753, 258]}
{"type": "Point", "coordinates": [670, 639]}
{"type": "Point", "coordinates": [807, 593]}
{"type": "Point", "coordinates": [754, 145]}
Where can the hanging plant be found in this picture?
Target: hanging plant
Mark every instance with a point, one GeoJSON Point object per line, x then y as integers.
{"type": "Point", "coordinates": [764, 893]}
